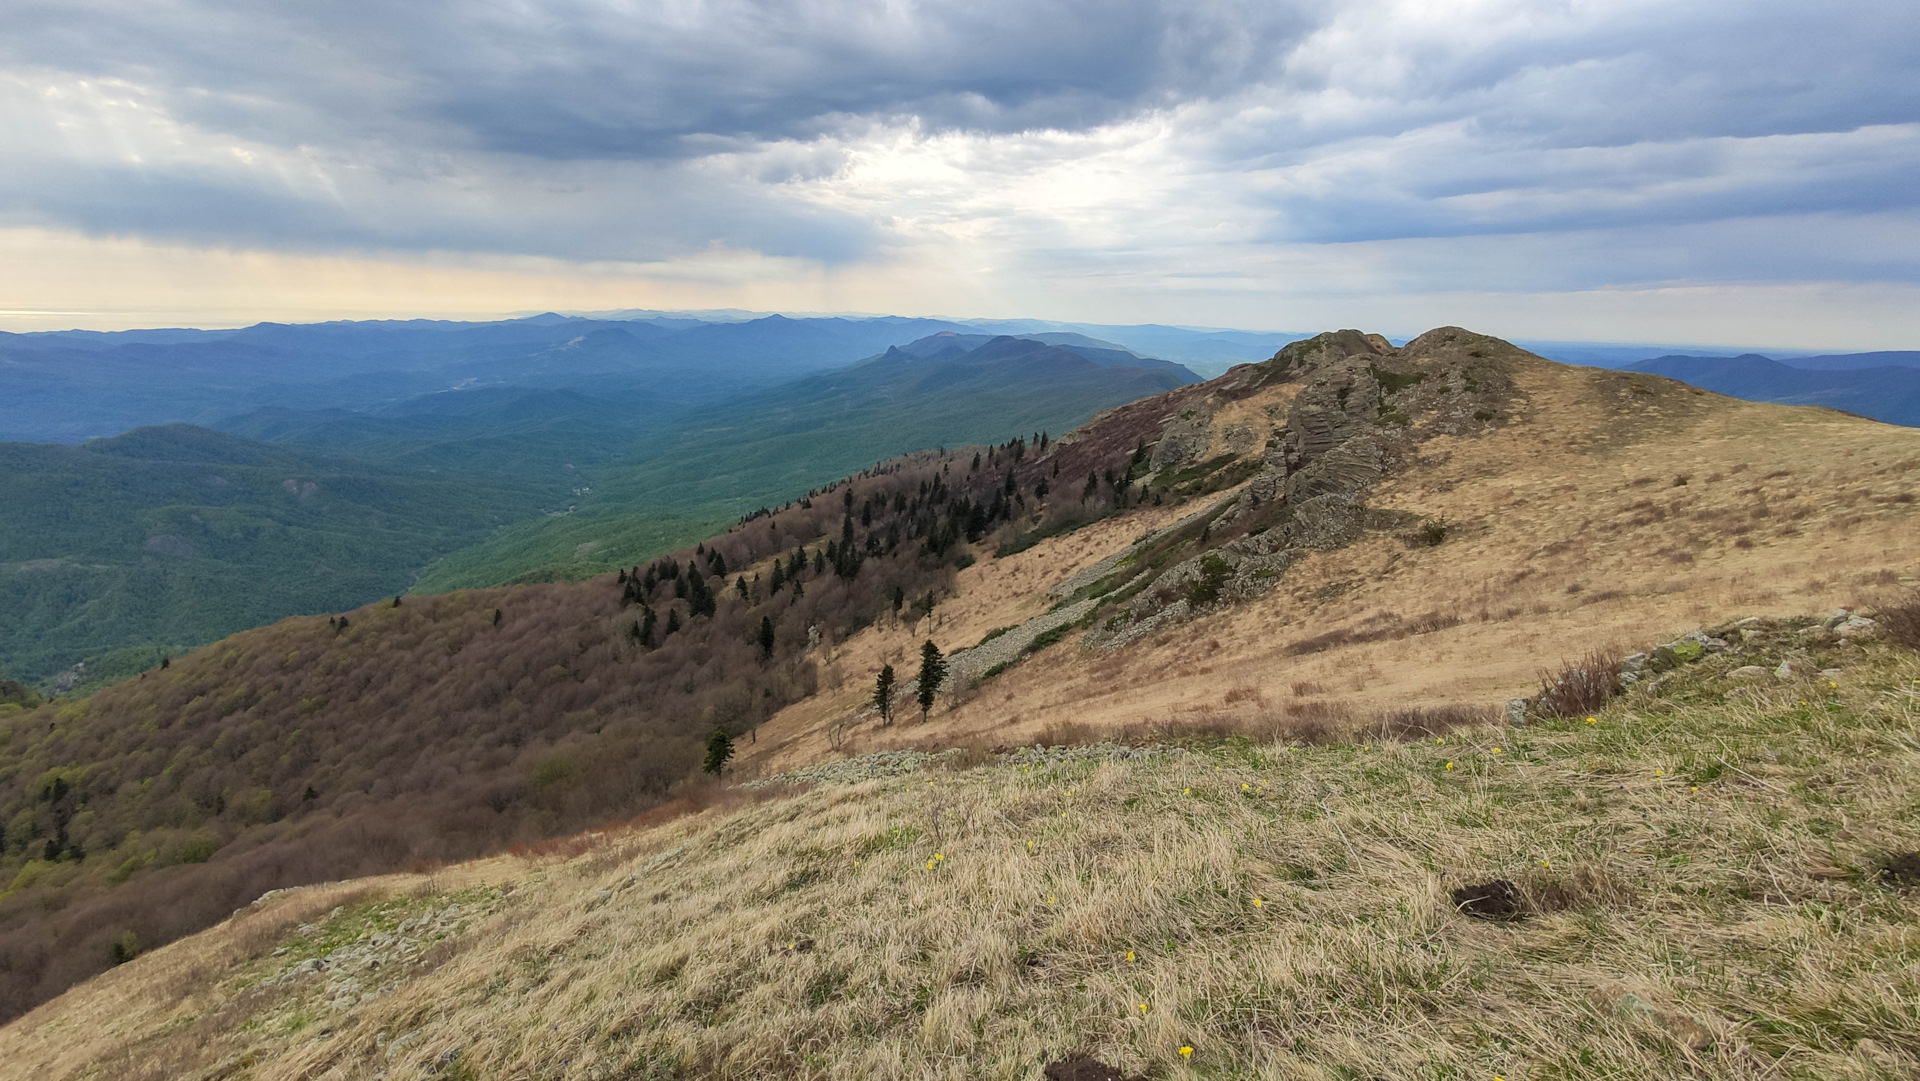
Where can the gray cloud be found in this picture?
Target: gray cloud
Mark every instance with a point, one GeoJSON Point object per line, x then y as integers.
{"type": "Point", "coordinates": [594, 129]}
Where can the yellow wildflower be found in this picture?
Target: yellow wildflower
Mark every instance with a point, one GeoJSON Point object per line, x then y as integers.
{"type": "Point", "coordinates": [1186, 1051]}
{"type": "Point", "coordinates": [1449, 765]}
{"type": "Point", "coordinates": [1496, 750]}
{"type": "Point", "coordinates": [1659, 773]}
{"type": "Point", "coordinates": [1186, 791]}
{"type": "Point", "coordinates": [1245, 787]}
{"type": "Point", "coordinates": [1256, 902]}
{"type": "Point", "coordinates": [929, 865]}
{"type": "Point", "coordinates": [938, 856]}
{"type": "Point", "coordinates": [1547, 864]}
{"type": "Point", "coordinates": [1129, 957]}
{"type": "Point", "coordinates": [1590, 720]}
{"type": "Point", "coordinates": [1143, 1007]}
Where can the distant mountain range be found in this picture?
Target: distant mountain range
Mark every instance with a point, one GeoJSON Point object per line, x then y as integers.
{"type": "Point", "coordinates": [1884, 386]}
{"type": "Point", "coordinates": [445, 455]}
{"type": "Point", "coordinates": [332, 464]}
{"type": "Point", "coordinates": [719, 462]}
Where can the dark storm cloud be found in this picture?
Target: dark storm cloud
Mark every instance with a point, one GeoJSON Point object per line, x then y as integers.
{"type": "Point", "coordinates": [571, 79]}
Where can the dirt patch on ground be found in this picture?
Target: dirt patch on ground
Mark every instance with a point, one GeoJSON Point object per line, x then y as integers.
{"type": "Point", "coordinates": [1902, 870]}
{"type": "Point", "coordinates": [1495, 900]}
{"type": "Point", "coordinates": [1083, 1068]}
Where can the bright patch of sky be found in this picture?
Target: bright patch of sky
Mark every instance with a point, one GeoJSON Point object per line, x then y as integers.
{"type": "Point", "coordinates": [1608, 169]}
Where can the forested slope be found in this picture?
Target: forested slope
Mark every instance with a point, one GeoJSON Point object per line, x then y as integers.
{"type": "Point", "coordinates": [447, 726]}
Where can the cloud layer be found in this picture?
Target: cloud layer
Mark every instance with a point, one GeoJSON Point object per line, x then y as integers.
{"type": "Point", "coordinates": [1186, 145]}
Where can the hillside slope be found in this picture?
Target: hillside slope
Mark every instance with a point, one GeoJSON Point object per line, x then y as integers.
{"type": "Point", "coordinates": [122, 550]}
{"type": "Point", "coordinates": [1301, 545]}
{"type": "Point", "coordinates": [711, 466]}
{"type": "Point", "coordinates": [1710, 878]}
{"type": "Point", "coordinates": [1588, 509]}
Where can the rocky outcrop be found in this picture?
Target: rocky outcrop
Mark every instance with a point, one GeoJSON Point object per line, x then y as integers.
{"type": "Point", "coordinates": [1361, 408]}
{"type": "Point", "coordinates": [967, 666]}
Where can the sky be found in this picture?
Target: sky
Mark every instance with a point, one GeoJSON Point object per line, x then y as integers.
{"type": "Point", "coordinates": [1712, 171]}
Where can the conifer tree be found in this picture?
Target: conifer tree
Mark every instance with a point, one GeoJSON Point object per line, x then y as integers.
{"type": "Point", "coordinates": [766, 637]}
{"type": "Point", "coordinates": [673, 621]}
{"type": "Point", "coordinates": [719, 751]}
{"type": "Point", "coordinates": [933, 672]}
{"type": "Point", "coordinates": [699, 597]}
{"type": "Point", "coordinates": [883, 694]}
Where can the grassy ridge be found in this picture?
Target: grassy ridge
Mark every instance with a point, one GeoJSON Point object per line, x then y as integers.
{"type": "Point", "coordinates": [1700, 867]}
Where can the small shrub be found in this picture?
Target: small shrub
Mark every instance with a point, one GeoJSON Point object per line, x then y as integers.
{"type": "Point", "coordinates": [1067, 734]}
{"type": "Point", "coordinates": [1205, 589]}
{"type": "Point", "coordinates": [1427, 721]}
{"type": "Point", "coordinates": [1901, 621]}
{"type": "Point", "coordinates": [125, 948]}
{"type": "Point", "coordinates": [1580, 687]}
{"type": "Point", "coordinates": [1316, 721]}
{"type": "Point", "coordinates": [1433, 531]}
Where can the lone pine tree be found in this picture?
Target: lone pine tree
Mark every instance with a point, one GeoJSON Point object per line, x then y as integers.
{"type": "Point", "coordinates": [933, 672]}
{"type": "Point", "coordinates": [883, 694]}
{"type": "Point", "coordinates": [719, 751]}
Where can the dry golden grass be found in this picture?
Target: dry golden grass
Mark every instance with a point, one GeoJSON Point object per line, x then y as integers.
{"type": "Point", "coordinates": [1569, 533]}
{"type": "Point", "coordinates": [1700, 864]}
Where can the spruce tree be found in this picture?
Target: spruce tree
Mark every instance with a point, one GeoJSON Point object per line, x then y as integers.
{"type": "Point", "coordinates": [673, 621]}
{"type": "Point", "coordinates": [933, 672]}
{"type": "Point", "coordinates": [883, 694]}
{"type": "Point", "coordinates": [766, 637]}
{"type": "Point", "coordinates": [719, 750]}
{"type": "Point", "coordinates": [699, 597]}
